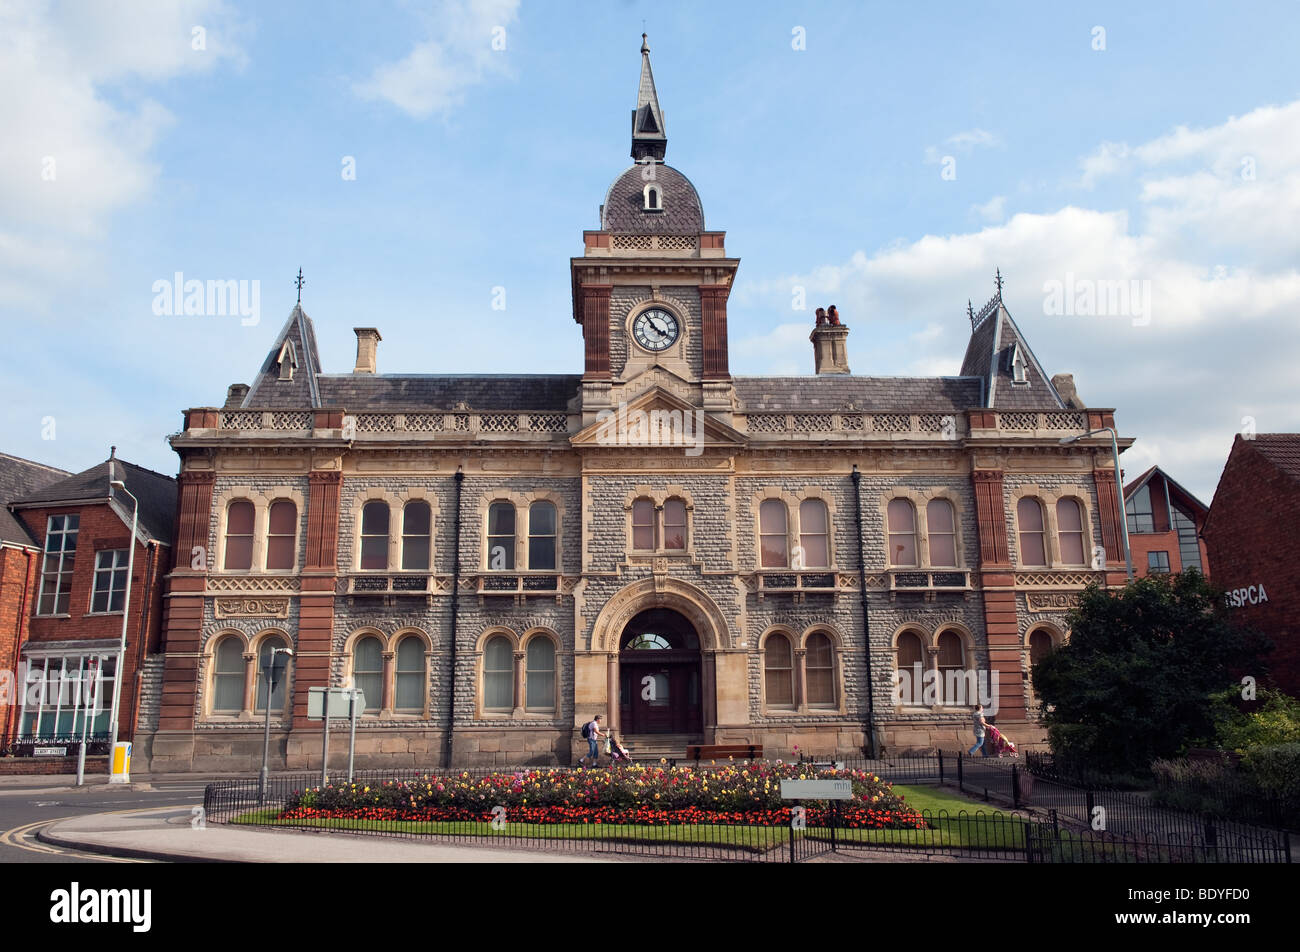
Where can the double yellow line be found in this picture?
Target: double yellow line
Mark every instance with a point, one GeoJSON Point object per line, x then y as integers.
{"type": "Point", "coordinates": [17, 838]}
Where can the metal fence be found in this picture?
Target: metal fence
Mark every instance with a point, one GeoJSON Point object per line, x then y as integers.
{"type": "Point", "coordinates": [1056, 823]}
{"type": "Point", "coordinates": [96, 745]}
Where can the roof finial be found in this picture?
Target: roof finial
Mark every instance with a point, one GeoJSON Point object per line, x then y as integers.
{"type": "Point", "coordinates": [645, 43]}
{"type": "Point", "coordinates": [112, 452]}
{"type": "Point", "coordinates": [997, 280]}
{"type": "Point", "coordinates": [300, 281]}
{"type": "Point", "coordinates": [970, 312]}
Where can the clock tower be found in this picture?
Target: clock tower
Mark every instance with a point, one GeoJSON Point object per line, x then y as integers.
{"type": "Point", "coordinates": [651, 287]}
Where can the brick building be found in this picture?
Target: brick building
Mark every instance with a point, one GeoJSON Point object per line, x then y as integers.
{"type": "Point", "coordinates": [80, 528]}
{"type": "Point", "coordinates": [1254, 517]}
{"type": "Point", "coordinates": [20, 562]}
{"type": "Point", "coordinates": [699, 556]}
{"type": "Point", "coordinates": [1164, 525]}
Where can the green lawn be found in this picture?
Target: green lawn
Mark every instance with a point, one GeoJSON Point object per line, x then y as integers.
{"type": "Point", "coordinates": [993, 828]}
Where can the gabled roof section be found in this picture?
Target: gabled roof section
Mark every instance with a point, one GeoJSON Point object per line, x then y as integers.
{"type": "Point", "coordinates": [20, 477]}
{"type": "Point", "coordinates": [1282, 450]}
{"type": "Point", "coordinates": [649, 136]}
{"type": "Point", "coordinates": [1152, 473]}
{"type": "Point", "coordinates": [659, 419]}
{"type": "Point", "coordinates": [156, 493]}
{"type": "Point", "coordinates": [299, 389]}
{"type": "Point", "coordinates": [994, 341]}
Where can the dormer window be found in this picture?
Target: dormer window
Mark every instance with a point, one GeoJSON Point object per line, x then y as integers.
{"type": "Point", "coordinates": [288, 360]}
{"type": "Point", "coordinates": [653, 201]}
{"type": "Point", "coordinates": [1018, 365]}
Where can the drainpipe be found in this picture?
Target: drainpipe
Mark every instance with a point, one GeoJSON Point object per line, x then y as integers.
{"type": "Point", "coordinates": [866, 620]}
{"type": "Point", "coordinates": [455, 596]}
{"type": "Point", "coordinates": [146, 612]}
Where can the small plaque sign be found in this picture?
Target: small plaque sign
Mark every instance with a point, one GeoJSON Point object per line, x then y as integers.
{"type": "Point", "coordinates": [816, 789]}
{"type": "Point", "coordinates": [49, 751]}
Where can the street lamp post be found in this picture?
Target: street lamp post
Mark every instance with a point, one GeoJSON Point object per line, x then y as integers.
{"type": "Point", "coordinates": [1119, 488]}
{"type": "Point", "coordinates": [126, 614]}
{"type": "Point", "coordinates": [269, 673]}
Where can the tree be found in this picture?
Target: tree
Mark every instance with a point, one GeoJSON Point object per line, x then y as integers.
{"type": "Point", "coordinates": [1135, 680]}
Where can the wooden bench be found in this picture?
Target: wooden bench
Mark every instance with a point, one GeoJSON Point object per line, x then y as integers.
{"type": "Point", "coordinates": [698, 752]}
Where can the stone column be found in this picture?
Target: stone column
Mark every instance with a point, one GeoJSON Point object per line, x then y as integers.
{"type": "Point", "coordinates": [519, 684]}
{"type": "Point", "coordinates": [800, 679]}
{"type": "Point", "coordinates": [250, 684]}
{"type": "Point", "coordinates": [386, 694]}
{"type": "Point", "coordinates": [611, 685]}
{"type": "Point", "coordinates": [709, 694]}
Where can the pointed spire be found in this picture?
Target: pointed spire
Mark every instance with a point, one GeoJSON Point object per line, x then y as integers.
{"type": "Point", "coordinates": [649, 137]}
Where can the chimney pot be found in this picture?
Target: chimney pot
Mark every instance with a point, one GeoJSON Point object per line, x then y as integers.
{"type": "Point", "coordinates": [830, 355]}
{"type": "Point", "coordinates": [367, 345]}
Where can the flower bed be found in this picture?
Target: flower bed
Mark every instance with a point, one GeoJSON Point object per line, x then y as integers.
{"type": "Point", "coordinates": [732, 794]}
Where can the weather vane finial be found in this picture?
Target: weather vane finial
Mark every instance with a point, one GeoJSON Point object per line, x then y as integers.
{"type": "Point", "coordinates": [970, 312]}
{"type": "Point", "coordinates": [997, 280]}
{"type": "Point", "coordinates": [299, 282]}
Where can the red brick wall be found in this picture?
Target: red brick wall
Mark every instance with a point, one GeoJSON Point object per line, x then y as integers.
{"type": "Point", "coordinates": [1254, 520]}
{"type": "Point", "coordinates": [17, 587]}
{"type": "Point", "coordinates": [100, 528]}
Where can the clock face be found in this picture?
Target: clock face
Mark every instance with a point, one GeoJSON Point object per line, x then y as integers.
{"type": "Point", "coordinates": [655, 329]}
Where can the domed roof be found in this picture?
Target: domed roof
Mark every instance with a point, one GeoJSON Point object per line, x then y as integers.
{"type": "Point", "coordinates": [680, 211]}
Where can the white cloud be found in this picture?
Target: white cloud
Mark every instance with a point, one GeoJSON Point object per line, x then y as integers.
{"type": "Point", "coordinates": [457, 54]}
{"type": "Point", "coordinates": [994, 210]}
{"type": "Point", "coordinates": [963, 143]}
{"type": "Point", "coordinates": [1218, 252]}
{"type": "Point", "coordinates": [78, 133]}
{"type": "Point", "coordinates": [1109, 159]}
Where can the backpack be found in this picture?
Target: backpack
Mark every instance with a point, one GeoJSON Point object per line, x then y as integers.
{"type": "Point", "coordinates": [586, 731]}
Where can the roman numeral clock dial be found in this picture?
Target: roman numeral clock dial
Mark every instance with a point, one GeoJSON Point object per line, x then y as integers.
{"type": "Point", "coordinates": [655, 329]}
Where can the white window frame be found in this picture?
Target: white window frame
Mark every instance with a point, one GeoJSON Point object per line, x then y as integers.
{"type": "Point", "coordinates": [111, 571]}
{"type": "Point", "coordinates": [64, 571]}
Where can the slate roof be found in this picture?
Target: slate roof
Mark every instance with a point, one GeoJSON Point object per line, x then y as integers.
{"type": "Point", "coordinates": [989, 356]}
{"type": "Point", "coordinates": [18, 477]}
{"type": "Point", "coordinates": [840, 392]}
{"type": "Point", "coordinates": [268, 391]}
{"type": "Point", "coordinates": [624, 209]}
{"type": "Point", "coordinates": [541, 392]}
{"type": "Point", "coordinates": [156, 493]}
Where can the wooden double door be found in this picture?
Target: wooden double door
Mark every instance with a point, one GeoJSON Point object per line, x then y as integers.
{"type": "Point", "coordinates": [660, 692]}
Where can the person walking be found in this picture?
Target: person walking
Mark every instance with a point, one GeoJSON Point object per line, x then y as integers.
{"type": "Point", "coordinates": [591, 731]}
{"type": "Point", "coordinates": [981, 726]}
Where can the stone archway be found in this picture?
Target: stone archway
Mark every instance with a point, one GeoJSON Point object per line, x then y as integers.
{"type": "Point", "coordinates": [598, 681]}
{"type": "Point", "coordinates": [659, 672]}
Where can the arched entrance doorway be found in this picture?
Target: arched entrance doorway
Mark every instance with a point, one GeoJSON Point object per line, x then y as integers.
{"type": "Point", "coordinates": [660, 688]}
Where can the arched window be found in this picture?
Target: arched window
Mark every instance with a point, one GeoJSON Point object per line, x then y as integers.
{"type": "Point", "coordinates": [953, 684]}
{"type": "Point", "coordinates": [943, 533]}
{"type": "Point", "coordinates": [902, 533]}
{"type": "Point", "coordinates": [228, 677]}
{"type": "Point", "coordinates": [1069, 531]}
{"type": "Point", "coordinates": [773, 537]}
{"type": "Point", "coordinates": [814, 534]}
{"type": "Point", "coordinates": [1030, 516]}
{"type": "Point", "coordinates": [264, 658]}
{"type": "Point", "coordinates": [374, 535]}
{"type": "Point", "coordinates": [498, 675]}
{"type": "Point", "coordinates": [408, 693]}
{"type": "Point", "coordinates": [239, 536]}
{"type": "Point", "coordinates": [281, 535]}
{"type": "Point", "coordinates": [368, 670]}
{"type": "Point", "coordinates": [643, 525]}
{"type": "Point", "coordinates": [541, 537]}
{"type": "Point", "coordinates": [540, 675]}
{"type": "Point", "coordinates": [651, 194]}
{"type": "Point", "coordinates": [675, 524]}
{"type": "Point", "coordinates": [501, 536]}
{"type": "Point", "coordinates": [778, 664]}
{"type": "Point", "coordinates": [911, 665]}
{"type": "Point", "coordinates": [819, 664]}
{"type": "Point", "coordinates": [417, 523]}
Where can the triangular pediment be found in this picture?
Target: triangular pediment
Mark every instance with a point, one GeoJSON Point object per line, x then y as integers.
{"type": "Point", "coordinates": [658, 419]}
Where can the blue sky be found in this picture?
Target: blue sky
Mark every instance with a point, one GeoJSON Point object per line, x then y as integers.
{"type": "Point", "coordinates": [889, 166]}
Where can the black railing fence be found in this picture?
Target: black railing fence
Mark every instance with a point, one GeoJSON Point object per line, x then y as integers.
{"type": "Point", "coordinates": [1054, 823]}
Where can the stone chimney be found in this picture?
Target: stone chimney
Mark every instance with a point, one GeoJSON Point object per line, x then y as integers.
{"type": "Point", "coordinates": [367, 344]}
{"type": "Point", "coordinates": [830, 354]}
{"type": "Point", "coordinates": [235, 395]}
{"type": "Point", "coordinates": [1064, 384]}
